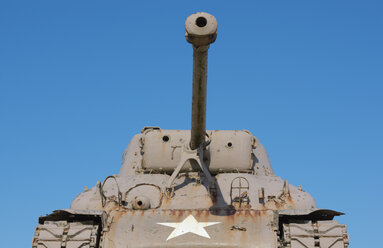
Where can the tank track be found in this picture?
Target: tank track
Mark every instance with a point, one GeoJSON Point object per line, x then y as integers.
{"type": "Point", "coordinates": [314, 234]}
{"type": "Point", "coordinates": [65, 234]}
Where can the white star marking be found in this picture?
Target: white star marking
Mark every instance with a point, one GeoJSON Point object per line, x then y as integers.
{"type": "Point", "coordinates": [188, 225]}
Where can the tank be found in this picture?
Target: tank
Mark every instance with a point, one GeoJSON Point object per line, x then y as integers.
{"type": "Point", "coordinates": [193, 188]}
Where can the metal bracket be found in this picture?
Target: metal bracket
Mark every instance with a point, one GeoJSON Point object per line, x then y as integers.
{"type": "Point", "coordinates": [189, 154]}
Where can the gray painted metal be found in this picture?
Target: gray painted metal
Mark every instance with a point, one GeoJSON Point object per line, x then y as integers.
{"type": "Point", "coordinates": [169, 193]}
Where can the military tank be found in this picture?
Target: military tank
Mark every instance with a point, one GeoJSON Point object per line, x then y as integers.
{"type": "Point", "coordinates": [193, 188]}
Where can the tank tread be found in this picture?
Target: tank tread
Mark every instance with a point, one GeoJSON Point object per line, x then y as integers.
{"type": "Point", "coordinates": [322, 234]}
{"type": "Point", "coordinates": [64, 234]}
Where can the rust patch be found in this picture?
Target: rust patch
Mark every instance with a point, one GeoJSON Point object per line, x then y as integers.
{"type": "Point", "coordinates": [173, 212]}
{"type": "Point", "coordinates": [163, 213]}
{"type": "Point", "coordinates": [179, 213]}
{"type": "Point", "coordinates": [290, 201]}
{"type": "Point", "coordinates": [198, 213]}
{"type": "Point", "coordinates": [243, 237]}
{"type": "Point", "coordinates": [247, 213]}
{"type": "Point", "coordinates": [166, 201]}
{"type": "Point", "coordinates": [116, 215]}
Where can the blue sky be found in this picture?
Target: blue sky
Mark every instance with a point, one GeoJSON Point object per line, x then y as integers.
{"type": "Point", "coordinates": [79, 78]}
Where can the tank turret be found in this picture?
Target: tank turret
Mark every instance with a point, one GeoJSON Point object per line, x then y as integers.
{"type": "Point", "coordinates": [189, 188]}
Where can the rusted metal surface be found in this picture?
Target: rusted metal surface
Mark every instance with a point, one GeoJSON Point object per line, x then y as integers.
{"type": "Point", "coordinates": [192, 188]}
{"type": "Point", "coordinates": [141, 229]}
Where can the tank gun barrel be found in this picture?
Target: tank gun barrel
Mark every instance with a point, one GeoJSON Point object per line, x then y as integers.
{"type": "Point", "coordinates": [201, 31]}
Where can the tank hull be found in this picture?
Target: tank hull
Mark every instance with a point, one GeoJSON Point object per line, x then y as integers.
{"type": "Point", "coordinates": [192, 228]}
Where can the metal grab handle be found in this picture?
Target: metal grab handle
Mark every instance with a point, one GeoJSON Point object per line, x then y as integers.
{"type": "Point", "coordinates": [103, 197]}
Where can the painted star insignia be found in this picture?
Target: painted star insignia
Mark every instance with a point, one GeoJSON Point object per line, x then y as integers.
{"type": "Point", "coordinates": [188, 225]}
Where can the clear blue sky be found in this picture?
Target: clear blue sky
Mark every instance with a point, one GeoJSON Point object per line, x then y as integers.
{"type": "Point", "coordinates": [79, 78]}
